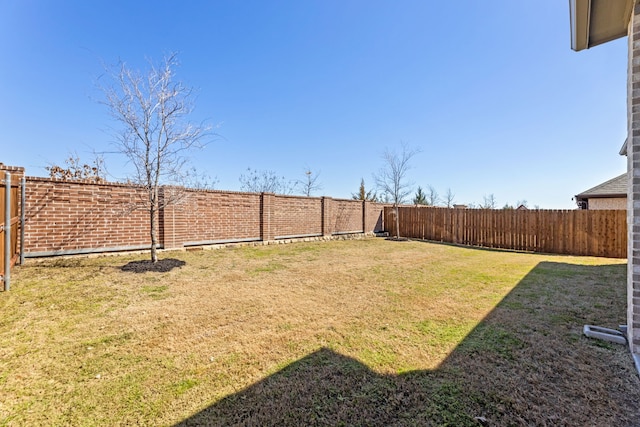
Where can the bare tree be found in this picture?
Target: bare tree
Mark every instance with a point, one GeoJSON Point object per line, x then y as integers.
{"type": "Point", "coordinates": [199, 180]}
{"type": "Point", "coordinates": [433, 198]}
{"type": "Point", "coordinates": [391, 179]}
{"type": "Point", "coordinates": [154, 132]}
{"type": "Point", "coordinates": [449, 198]}
{"type": "Point", "coordinates": [363, 194]}
{"type": "Point", "coordinates": [489, 202]}
{"type": "Point", "coordinates": [265, 181]}
{"type": "Point", "coordinates": [310, 182]}
{"type": "Point", "coordinates": [75, 169]}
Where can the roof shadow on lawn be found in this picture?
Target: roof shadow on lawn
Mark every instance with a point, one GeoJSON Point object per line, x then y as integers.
{"type": "Point", "coordinates": [526, 363]}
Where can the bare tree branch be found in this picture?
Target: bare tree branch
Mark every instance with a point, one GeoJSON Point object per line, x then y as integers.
{"type": "Point", "coordinates": [310, 182]}
{"type": "Point", "coordinates": [449, 198]}
{"type": "Point", "coordinates": [265, 181]}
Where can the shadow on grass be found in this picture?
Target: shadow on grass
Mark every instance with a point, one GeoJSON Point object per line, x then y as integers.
{"type": "Point", "coordinates": [526, 363]}
{"type": "Point", "coordinates": [162, 266]}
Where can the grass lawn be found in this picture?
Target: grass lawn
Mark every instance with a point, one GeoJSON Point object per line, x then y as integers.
{"type": "Point", "coordinates": [368, 332]}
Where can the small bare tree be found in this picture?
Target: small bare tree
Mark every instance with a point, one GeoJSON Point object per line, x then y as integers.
{"type": "Point", "coordinates": [433, 198]}
{"type": "Point", "coordinates": [75, 169]}
{"type": "Point", "coordinates": [391, 178]}
{"type": "Point", "coordinates": [310, 182]}
{"type": "Point", "coordinates": [154, 132]}
{"type": "Point", "coordinates": [489, 202]}
{"type": "Point", "coordinates": [265, 181]}
{"type": "Point", "coordinates": [449, 198]}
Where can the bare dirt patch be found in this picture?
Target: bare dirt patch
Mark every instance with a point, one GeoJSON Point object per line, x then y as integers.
{"type": "Point", "coordinates": [353, 333]}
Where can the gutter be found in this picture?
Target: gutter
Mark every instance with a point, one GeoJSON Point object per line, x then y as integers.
{"type": "Point", "coordinates": [580, 16]}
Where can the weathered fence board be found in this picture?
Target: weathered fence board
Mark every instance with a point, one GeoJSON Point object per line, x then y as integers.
{"type": "Point", "coordinates": [12, 223]}
{"type": "Point", "coordinates": [573, 232]}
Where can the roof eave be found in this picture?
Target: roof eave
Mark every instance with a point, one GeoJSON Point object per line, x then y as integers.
{"type": "Point", "coordinates": [594, 22]}
{"type": "Point", "coordinates": [600, 196]}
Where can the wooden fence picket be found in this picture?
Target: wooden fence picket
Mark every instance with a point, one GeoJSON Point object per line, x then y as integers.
{"type": "Point", "coordinates": [572, 232]}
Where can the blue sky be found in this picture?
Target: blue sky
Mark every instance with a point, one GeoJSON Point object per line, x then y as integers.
{"type": "Point", "coordinates": [490, 92]}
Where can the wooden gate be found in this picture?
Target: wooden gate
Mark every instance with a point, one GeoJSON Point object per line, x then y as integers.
{"type": "Point", "coordinates": [10, 224]}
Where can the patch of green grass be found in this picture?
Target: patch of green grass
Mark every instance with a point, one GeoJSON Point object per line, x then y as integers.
{"type": "Point", "coordinates": [493, 339]}
{"type": "Point", "coordinates": [442, 332]}
{"type": "Point", "coordinates": [268, 268]}
{"type": "Point", "coordinates": [447, 406]}
{"type": "Point", "coordinates": [184, 385]}
{"type": "Point", "coordinates": [602, 344]}
{"type": "Point", "coordinates": [109, 340]}
{"type": "Point", "coordinates": [156, 292]}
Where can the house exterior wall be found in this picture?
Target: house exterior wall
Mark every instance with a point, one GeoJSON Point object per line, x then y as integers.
{"type": "Point", "coordinates": [608, 203]}
{"type": "Point", "coordinates": [633, 189]}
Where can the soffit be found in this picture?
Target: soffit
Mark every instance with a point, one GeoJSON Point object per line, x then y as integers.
{"type": "Point", "coordinates": [595, 22]}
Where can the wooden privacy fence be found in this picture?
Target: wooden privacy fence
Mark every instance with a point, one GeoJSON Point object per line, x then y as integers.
{"type": "Point", "coordinates": [573, 232]}
{"type": "Point", "coordinates": [10, 224]}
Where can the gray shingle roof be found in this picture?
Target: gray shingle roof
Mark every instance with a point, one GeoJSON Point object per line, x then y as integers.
{"type": "Point", "coordinates": [614, 187]}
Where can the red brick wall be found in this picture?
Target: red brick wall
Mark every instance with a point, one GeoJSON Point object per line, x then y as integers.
{"type": "Point", "coordinates": [373, 217]}
{"type": "Point", "coordinates": [296, 216]}
{"type": "Point", "coordinates": [210, 216]}
{"type": "Point", "coordinates": [63, 216]}
{"type": "Point", "coordinates": [345, 216]}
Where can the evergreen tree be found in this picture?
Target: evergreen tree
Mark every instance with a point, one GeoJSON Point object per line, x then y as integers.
{"type": "Point", "coordinates": [363, 194]}
{"type": "Point", "coordinates": [420, 198]}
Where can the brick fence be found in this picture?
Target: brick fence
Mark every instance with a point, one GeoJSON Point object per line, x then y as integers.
{"type": "Point", "coordinates": [71, 217]}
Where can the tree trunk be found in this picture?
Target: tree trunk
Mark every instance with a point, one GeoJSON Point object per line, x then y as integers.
{"type": "Point", "coordinates": [397, 212]}
{"type": "Point", "coordinates": [153, 208]}
{"type": "Point", "coordinates": [154, 238]}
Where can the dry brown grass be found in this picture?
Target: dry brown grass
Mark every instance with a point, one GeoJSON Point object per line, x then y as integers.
{"type": "Point", "coordinates": [355, 333]}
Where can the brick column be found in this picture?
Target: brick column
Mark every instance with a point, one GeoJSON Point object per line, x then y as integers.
{"type": "Point", "coordinates": [633, 177]}
{"type": "Point", "coordinates": [267, 229]}
{"type": "Point", "coordinates": [365, 209]}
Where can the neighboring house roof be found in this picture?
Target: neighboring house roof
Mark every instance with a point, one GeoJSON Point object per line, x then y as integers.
{"type": "Point", "coordinates": [594, 22]}
{"type": "Point", "coordinates": [616, 187]}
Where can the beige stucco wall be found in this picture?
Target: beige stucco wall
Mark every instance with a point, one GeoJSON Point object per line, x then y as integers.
{"type": "Point", "coordinates": [608, 203]}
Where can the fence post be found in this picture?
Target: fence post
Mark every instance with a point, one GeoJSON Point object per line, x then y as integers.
{"type": "Point", "coordinates": [23, 200]}
{"type": "Point", "coordinates": [7, 231]}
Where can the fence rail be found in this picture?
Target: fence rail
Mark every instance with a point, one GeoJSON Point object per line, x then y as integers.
{"type": "Point", "coordinates": [573, 232]}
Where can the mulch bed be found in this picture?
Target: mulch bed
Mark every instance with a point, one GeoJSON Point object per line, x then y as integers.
{"type": "Point", "coordinates": [162, 266]}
